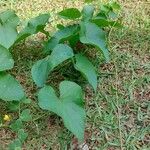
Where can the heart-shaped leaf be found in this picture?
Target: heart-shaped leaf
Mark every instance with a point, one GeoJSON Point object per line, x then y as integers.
{"type": "Point", "coordinates": [15, 145]}
{"type": "Point", "coordinates": [25, 115]}
{"type": "Point", "coordinates": [17, 125]}
{"type": "Point", "coordinates": [10, 89]}
{"type": "Point", "coordinates": [70, 13]}
{"type": "Point", "coordinates": [69, 106]}
{"type": "Point", "coordinates": [43, 67]}
{"type": "Point", "coordinates": [6, 61]}
{"type": "Point", "coordinates": [34, 26]}
{"type": "Point", "coordinates": [22, 135]}
{"type": "Point", "coordinates": [87, 69]}
{"type": "Point", "coordinates": [96, 37]}
{"type": "Point", "coordinates": [8, 31]}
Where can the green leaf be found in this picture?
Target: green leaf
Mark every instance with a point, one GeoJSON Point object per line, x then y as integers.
{"type": "Point", "coordinates": [60, 53]}
{"type": "Point", "coordinates": [87, 69]}
{"type": "Point", "coordinates": [8, 37]}
{"type": "Point", "coordinates": [73, 41]}
{"type": "Point", "coordinates": [8, 31]}
{"type": "Point", "coordinates": [60, 26]}
{"type": "Point", "coordinates": [13, 106]}
{"type": "Point", "coordinates": [26, 101]}
{"type": "Point", "coordinates": [112, 15]}
{"type": "Point", "coordinates": [66, 32]}
{"type": "Point", "coordinates": [88, 12]}
{"type": "Point", "coordinates": [70, 13]}
{"type": "Point", "coordinates": [101, 22]}
{"type": "Point", "coordinates": [102, 15]}
{"type": "Point", "coordinates": [105, 23]}
{"type": "Point", "coordinates": [89, 1]}
{"type": "Point", "coordinates": [17, 125]}
{"type": "Point", "coordinates": [15, 145]}
{"type": "Point", "coordinates": [97, 37]}
{"type": "Point", "coordinates": [6, 61]}
{"type": "Point", "coordinates": [105, 8]}
{"type": "Point", "coordinates": [110, 10]}
{"type": "Point", "coordinates": [10, 89]}
{"type": "Point", "coordinates": [40, 71]}
{"type": "Point", "coordinates": [43, 67]}
{"type": "Point", "coordinates": [60, 36]}
{"type": "Point", "coordinates": [9, 17]}
{"type": "Point", "coordinates": [25, 115]}
{"type": "Point", "coordinates": [50, 44]}
{"type": "Point", "coordinates": [115, 6]}
{"type": "Point", "coordinates": [34, 26]}
{"type": "Point", "coordinates": [22, 135]}
{"type": "Point", "coordinates": [69, 106]}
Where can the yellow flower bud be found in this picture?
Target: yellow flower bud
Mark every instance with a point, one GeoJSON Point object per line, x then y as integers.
{"type": "Point", "coordinates": [7, 118]}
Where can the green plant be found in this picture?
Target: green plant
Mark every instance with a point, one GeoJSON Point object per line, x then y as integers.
{"type": "Point", "coordinates": [88, 29]}
{"type": "Point", "coordinates": [62, 47]}
{"type": "Point", "coordinates": [10, 88]}
{"type": "Point", "coordinates": [18, 127]}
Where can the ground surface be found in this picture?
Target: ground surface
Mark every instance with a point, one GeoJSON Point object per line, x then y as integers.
{"type": "Point", "coordinates": [118, 117]}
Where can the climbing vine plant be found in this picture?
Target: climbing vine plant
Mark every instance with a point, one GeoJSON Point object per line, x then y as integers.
{"type": "Point", "coordinates": [88, 28]}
